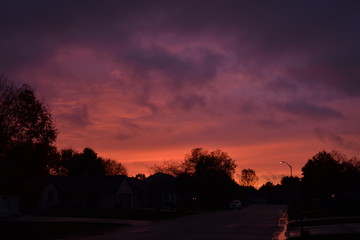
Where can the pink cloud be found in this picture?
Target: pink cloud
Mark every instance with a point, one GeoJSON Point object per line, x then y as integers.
{"type": "Point", "coordinates": [140, 82]}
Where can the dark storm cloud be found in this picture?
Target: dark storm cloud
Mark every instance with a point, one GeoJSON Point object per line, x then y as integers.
{"type": "Point", "coordinates": [275, 123]}
{"type": "Point", "coordinates": [129, 128]}
{"type": "Point", "coordinates": [309, 110]}
{"type": "Point", "coordinates": [170, 74]}
{"type": "Point", "coordinates": [341, 74]}
{"type": "Point", "coordinates": [260, 32]}
{"type": "Point", "coordinates": [282, 85]}
{"type": "Point", "coordinates": [336, 139]}
{"type": "Point", "coordinates": [130, 124]}
{"type": "Point", "coordinates": [189, 102]}
{"type": "Point", "coordinates": [77, 116]}
{"type": "Point", "coordinates": [176, 69]}
{"type": "Point", "coordinates": [33, 30]}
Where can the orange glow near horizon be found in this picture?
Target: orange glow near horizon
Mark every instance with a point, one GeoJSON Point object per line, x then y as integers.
{"type": "Point", "coordinates": [263, 158]}
{"type": "Point", "coordinates": [143, 86]}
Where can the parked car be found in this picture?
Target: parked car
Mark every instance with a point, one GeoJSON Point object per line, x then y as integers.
{"type": "Point", "coordinates": [235, 204]}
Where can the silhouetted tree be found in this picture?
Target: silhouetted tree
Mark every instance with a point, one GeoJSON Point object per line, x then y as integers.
{"type": "Point", "coordinates": [211, 173]}
{"type": "Point", "coordinates": [351, 174]}
{"type": "Point", "coordinates": [140, 176]}
{"type": "Point", "coordinates": [266, 186]}
{"type": "Point", "coordinates": [86, 163]}
{"type": "Point", "coordinates": [291, 187]}
{"type": "Point", "coordinates": [289, 181]}
{"type": "Point", "coordinates": [27, 133]}
{"type": "Point", "coordinates": [328, 175]}
{"type": "Point", "coordinates": [321, 175]}
{"type": "Point", "coordinates": [201, 162]}
{"type": "Point", "coordinates": [275, 194]}
{"type": "Point", "coordinates": [89, 164]}
{"type": "Point", "coordinates": [111, 167]}
{"type": "Point", "coordinates": [248, 177]}
{"type": "Point", "coordinates": [168, 167]}
{"type": "Point", "coordinates": [206, 174]}
{"type": "Point", "coordinates": [23, 118]}
{"type": "Point", "coordinates": [63, 164]}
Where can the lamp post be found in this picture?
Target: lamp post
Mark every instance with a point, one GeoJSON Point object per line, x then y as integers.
{"type": "Point", "coordinates": [299, 211]}
{"type": "Point", "coordinates": [289, 167]}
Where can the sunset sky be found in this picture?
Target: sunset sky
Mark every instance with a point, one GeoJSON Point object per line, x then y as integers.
{"type": "Point", "coordinates": [146, 81]}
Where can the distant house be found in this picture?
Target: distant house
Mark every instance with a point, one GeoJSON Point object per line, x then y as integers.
{"type": "Point", "coordinates": [9, 205]}
{"type": "Point", "coordinates": [163, 189]}
{"type": "Point", "coordinates": [158, 190]}
{"type": "Point", "coordinates": [141, 192]}
{"type": "Point", "coordinates": [87, 192]}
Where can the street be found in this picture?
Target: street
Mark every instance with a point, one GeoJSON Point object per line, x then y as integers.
{"type": "Point", "coordinates": [255, 222]}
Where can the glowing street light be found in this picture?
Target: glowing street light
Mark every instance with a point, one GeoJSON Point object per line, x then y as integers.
{"type": "Point", "coordinates": [289, 167]}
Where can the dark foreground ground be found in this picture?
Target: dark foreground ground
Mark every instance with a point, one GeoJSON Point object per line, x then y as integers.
{"type": "Point", "coordinates": [254, 222]}
{"type": "Point", "coordinates": [326, 223]}
{"type": "Point", "coordinates": [329, 228]}
{"type": "Point", "coordinates": [251, 223]}
{"type": "Point", "coordinates": [56, 224]}
{"type": "Point", "coordinates": [52, 230]}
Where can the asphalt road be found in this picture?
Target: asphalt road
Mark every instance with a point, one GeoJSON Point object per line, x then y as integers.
{"type": "Point", "coordinates": [253, 222]}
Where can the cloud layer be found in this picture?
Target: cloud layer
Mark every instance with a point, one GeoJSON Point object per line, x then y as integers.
{"type": "Point", "coordinates": [162, 77]}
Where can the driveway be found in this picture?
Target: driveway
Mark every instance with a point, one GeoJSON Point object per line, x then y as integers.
{"type": "Point", "coordinates": [255, 222]}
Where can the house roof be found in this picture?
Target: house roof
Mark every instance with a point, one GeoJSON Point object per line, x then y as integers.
{"type": "Point", "coordinates": [88, 184]}
{"type": "Point", "coordinates": [154, 183]}
{"type": "Point", "coordinates": [161, 181]}
{"type": "Point", "coordinates": [139, 185]}
{"type": "Point", "coordinates": [160, 178]}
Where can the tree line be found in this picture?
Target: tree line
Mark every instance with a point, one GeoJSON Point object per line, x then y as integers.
{"type": "Point", "coordinates": [329, 183]}
{"type": "Point", "coordinates": [69, 162]}
{"type": "Point", "coordinates": [28, 157]}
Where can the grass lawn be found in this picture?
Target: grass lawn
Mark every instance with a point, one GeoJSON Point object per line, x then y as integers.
{"type": "Point", "coordinates": [135, 214]}
{"type": "Point", "coordinates": [51, 230]}
{"type": "Point", "coordinates": [349, 236]}
{"type": "Point", "coordinates": [328, 222]}
{"type": "Point", "coordinates": [321, 213]}
{"type": "Point", "coordinates": [324, 222]}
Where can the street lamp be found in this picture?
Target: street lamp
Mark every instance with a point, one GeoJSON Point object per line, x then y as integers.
{"type": "Point", "coordinates": [289, 167]}
{"type": "Point", "coordinates": [292, 199]}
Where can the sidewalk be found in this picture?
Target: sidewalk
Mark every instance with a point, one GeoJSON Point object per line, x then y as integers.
{"type": "Point", "coordinates": [325, 226]}
{"type": "Point", "coordinates": [72, 219]}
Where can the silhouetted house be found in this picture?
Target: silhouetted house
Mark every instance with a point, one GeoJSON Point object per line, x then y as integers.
{"type": "Point", "coordinates": [158, 190]}
{"type": "Point", "coordinates": [87, 192]}
{"type": "Point", "coordinates": [9, 205]}
{"type": "Point", "coordinates": [141, 192]}
{"type": "Point", "coordinates": [164, 191]}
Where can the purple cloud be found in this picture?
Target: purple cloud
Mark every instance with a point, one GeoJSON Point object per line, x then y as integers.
{"type": "Point", "coordinates": [336, 139]}
{"type": "Point", "coordinates": [77, 116]}
{"type": "Point", "coordinates": [175, 74]}
{"type": "Point", "coordinates": [310, 111]}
